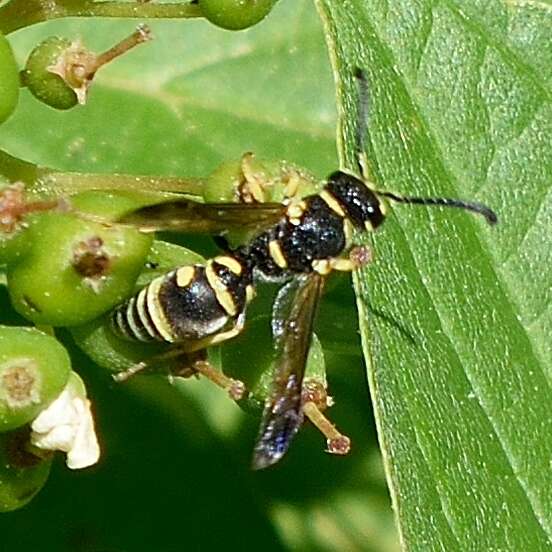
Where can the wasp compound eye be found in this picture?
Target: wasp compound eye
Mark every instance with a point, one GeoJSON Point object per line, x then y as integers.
{"type": "Point", "coordinates": [360, 203]}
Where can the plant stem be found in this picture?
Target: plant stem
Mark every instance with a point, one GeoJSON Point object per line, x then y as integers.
{"type": "Point", "coordinates": [17, 14]}
{"type": "Point", "coordinates": [140, 35]}
{"type": "Point", "coordinates": [44, 181]}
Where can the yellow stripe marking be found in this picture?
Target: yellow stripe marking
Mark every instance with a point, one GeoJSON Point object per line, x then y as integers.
{"type": "Point", "coordinates": [184, 276]}
{"type": "Point", "coordinates": [141, 307]}
{"type": "Point", "coordinates": [121, 322]}
{"type": "Point", "coordinates": [155, 309]}
{"type": "Point", "coordinates": [223, 336]}
{"type": "Point", "coordinates": [229, 334]}
{"type": "Point", "coordinates": [332, 203]}
{"type": "Point", "coordinates": [132, 322]}
{"type": "Point", "coordinates": [277, 254]}
{"type": "Point", "coordinates": [369, 226]}
{"type": "Point", "coordinates": [222, 294]}
{"type": "Point", "coordinates": [348, 231]}
{"type": "Point", "coordinates": [230, 263]}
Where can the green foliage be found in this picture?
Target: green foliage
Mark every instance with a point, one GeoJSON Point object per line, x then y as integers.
{"type": "Point", "coordinates": [455, 316]}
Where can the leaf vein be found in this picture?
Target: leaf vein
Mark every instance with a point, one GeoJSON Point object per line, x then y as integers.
{"type": "Point", "coordinates": [509, 55]}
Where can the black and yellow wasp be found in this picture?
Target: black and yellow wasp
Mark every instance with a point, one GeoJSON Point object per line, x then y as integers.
{"type": "Point", "coordinates": [299, 242]}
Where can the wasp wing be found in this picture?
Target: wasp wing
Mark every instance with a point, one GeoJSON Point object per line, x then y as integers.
{"type": "Point", "coordinates": [292, 325]}
{"type": "Point", "coordinates": [184, 215]}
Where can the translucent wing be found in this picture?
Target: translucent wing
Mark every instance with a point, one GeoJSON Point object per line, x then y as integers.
{"type": "Point", "coordinates": [185, 215]}
{"type": "Point", "coordinates": [293, 320]}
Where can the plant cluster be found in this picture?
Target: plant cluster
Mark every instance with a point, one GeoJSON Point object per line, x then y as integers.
{"type": "Point", "coordinates": [66, 262]}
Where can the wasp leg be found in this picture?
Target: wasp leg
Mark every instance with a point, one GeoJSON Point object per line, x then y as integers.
{"type": "Point", "coordinates": [315, 400]}
{"type": "Point", "coordinates": [235, 388]}
{"type": "Point", "coordinates": [188, 364]}
{"type": "Point", "coordinates": [147, 365]}
{"type": "Point", "coordinates": [358, 256]}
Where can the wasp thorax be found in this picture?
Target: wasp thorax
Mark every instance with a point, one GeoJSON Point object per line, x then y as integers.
{"type": "Point", "coordinates": [361, 204]}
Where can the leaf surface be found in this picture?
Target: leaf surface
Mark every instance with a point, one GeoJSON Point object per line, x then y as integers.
{"type": "Point", "coordinates": [456, 316]}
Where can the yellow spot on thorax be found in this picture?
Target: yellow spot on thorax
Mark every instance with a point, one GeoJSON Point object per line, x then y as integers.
{"type": "Point", "coordinates": [277, 254]}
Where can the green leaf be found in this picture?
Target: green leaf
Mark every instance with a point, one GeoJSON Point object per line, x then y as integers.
{"type": "Point", "coordinates": [455, 315]}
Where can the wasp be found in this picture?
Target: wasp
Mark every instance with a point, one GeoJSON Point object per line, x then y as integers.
{"type": "Point", "coordinates": [299, 242]}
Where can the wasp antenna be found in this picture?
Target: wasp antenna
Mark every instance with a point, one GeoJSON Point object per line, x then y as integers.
{"type": "Point", "coordinates": [472, 206]}
{"type": "Point", "coordinates": [362, 117]}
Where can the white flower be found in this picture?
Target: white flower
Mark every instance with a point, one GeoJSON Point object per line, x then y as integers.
{"type": "Point", "coordinates": [67, 425]}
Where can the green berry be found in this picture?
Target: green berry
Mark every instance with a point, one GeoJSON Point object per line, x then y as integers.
{"type": "Point", "coordinates": [243, 181]}
{"type": "Point", "coordinates": [222, 184]}
{"type": "Point", "coordinates": [22, 474]}
{"type": "Point", "coordinates": [256, 181]}
{"type": "Point", "coordinates": [235, 14]}
{"type": "Point", "coordinates": [75, 269]}
{"type": "Point", "coordinates": [59, 72]}
{"type": "Point", "coordinates": [34, 368]}
{"type": "Point", "coordinates": [47, 86]}
{"type": "Point", "coordinates": [96, 338]}
{"type": "Point", "coordinates": [9, 80]}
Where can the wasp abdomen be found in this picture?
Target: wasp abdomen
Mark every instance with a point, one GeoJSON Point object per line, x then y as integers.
{"type": "Point", "coordinates": [189, 304]}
